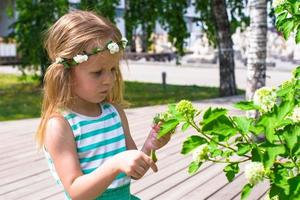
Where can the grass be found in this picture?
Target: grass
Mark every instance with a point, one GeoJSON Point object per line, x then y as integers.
{"type": "Point", "coordinates": [20, 97]}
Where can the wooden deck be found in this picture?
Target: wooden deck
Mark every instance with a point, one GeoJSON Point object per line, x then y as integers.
{"type": "Point", "coordinates": [24, 173]}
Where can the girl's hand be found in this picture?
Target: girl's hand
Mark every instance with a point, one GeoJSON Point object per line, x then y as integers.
{"type": "Point", "coordinates": [135, 163]}
{"type": "Point", "coordinates": [152, 143]}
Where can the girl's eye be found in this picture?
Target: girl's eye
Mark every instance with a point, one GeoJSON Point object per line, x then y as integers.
{"type": "Point", "coordinates": [97, 73]}
{"type": "Point", "coordinates": [113, 69]}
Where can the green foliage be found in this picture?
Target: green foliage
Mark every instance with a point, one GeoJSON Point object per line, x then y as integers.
{"type": "Point", "coordinates": [231, 170]}
{"type": "Point", "coordinates": [246, 191]}
{"type": "Point", "coordinates": [137, 14]}
{"type": "Point", "coordinates": [170, 14]}
{"type": "Point", "coordinates": [191, 143]}
{"type": "Point", "coordinates": [33, 19]}
{"type": "Point", "coordinates": [172, 20]}
{"type": "Point", "coordinates": [288, 18]}
{"type": "Point", "coordinates": [194, 167]}
{"type": "Point", "coordinates": [106, 8]}
{"type": "Point", "coordinates": [229, 139]}
{"type": "Point", "coordinates": [236, 14]}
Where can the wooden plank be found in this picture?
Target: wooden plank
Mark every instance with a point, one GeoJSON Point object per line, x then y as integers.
{"type": "Point", "coordinates": [257, 192]}
{"type": "Point", "coordinates": [44, 193]}
{"type": "Point", "coordinates": [56, 196]}
{"type": "Point", "coordinates": [185, 187]}
{"type": "Point", "coordinates": [11, 187]}
{"type": "Point", "coordinates": [208, 188]}
{"type": "Point", "coordinates": [34, 188]}
{"type": "Point", "coordinates": [24, 169]}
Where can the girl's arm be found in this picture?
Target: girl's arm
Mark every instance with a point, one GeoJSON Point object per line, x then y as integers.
{"type": "Point", "coordinates": [130, 144]}
{"type": "Point", "coordinates": [60, 143]}
{"type": "Point", "coordinates": [151, 143]}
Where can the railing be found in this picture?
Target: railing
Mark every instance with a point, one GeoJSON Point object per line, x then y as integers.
{"type": "Point", "coordinates": [150, 56]}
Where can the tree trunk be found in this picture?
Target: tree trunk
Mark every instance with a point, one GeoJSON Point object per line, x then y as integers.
{"type": "Point", "coordinates": [226, 54]}
{"type": "Point", "coordinates": [144, 39]}
{"type": "Point", "coordinates": [257, 48]}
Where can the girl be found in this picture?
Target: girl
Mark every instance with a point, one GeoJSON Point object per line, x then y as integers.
{"type": "Point", "coordinates": [83, 130]}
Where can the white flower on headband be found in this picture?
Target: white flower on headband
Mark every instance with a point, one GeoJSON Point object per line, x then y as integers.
{"type": "Point", "coordinates": [113, 47]}
{"type": "Point", "coordinates": [58, 60]}
{"type": "Point", "coordinates": [124, 42]}
{"type": "Point", "coordinates": [80, 58]}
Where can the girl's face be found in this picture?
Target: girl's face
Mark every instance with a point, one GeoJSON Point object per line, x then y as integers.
{"type": "Point", "coordinates": [94, 79]}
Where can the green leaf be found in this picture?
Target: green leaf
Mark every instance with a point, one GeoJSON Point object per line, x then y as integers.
{"type": "Point", "coordinates": [212, 114]}
{"type": "Point", "coordinates": [297, 39]}
{"type": "Point", "coordinates": [278, 190]}
{"type": "Point", "coordinates": [172, 109]}
{"type": "Point", "coordinates": [284, 109]}
{"type": "Point", "coordinates": [153, 155]}
{"type": "Point", "coordinates": [246, 105]}
{"type": "Point", "coordinates": [216, 152]}
{"type": "Point", "coordinates": [282, 16]}
{"type": "Point", "coordinates": [221, 126]}
{"type": "Point", "coordinates": [256, 155]}
{"type": "Point", "coordinates": [288, 26]}
{"type": "Point", "coordinates": [243, 148]}
{"type": "Point", "coordinates": [294, 187]}
{"type": "Point", "coordinates": [167, 127]}
{"type": "Point", "coordinates": [191, 143]}
{"type": "Point", "coordinates": [246, 191]}
{"type": "Point", "coordinates": [185, 126]}
{"type": "Point", "coordinates": [193, 167]}
{"type": "Point", "coordinates": [269, 123]}
{"type": "Point", "coordinates": [287, 89]}
{"type": "Point", "coordinates": [271, 154]}
{"type": "Point", "coordinates": [257, 130]}
{"type": "Point", "coordinates": [279, 9]}
{"type": "Point", "coordinates": [231, 170]}
{"type": "Point", "coordinates": [290, 135]}
{"type": "Point", "coordinates": [243, 124]}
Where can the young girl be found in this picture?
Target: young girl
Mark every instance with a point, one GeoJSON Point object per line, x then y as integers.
{"type": "Point", "coordinates": [84, 131]}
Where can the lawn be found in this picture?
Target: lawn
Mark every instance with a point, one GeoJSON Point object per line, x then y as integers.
{"type": "Point", "coordinates": [20, 97]}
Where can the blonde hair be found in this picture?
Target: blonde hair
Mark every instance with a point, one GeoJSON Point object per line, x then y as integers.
{"type": "Point", "coordinates": [69, 36]}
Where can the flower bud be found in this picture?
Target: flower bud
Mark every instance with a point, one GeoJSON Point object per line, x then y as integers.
{"type": "Point", "coordinates": [254, 172]}
{"type": "Point", "coordinates": [265, 98]}
{"type": "Point", "coordinates": [185, 107]}
{"type": "Point", "coordinates": [200, 154]}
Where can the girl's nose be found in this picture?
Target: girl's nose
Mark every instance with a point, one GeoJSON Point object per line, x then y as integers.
{"type": "Point", "coordinates": [108, 78]}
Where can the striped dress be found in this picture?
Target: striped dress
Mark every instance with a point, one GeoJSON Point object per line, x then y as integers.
{"type": "Point", "coordinates": [97, 140]}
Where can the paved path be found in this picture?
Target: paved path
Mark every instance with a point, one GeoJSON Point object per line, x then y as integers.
{"type": "Point", "coordinates": [203, 75]}
{"type": "Point", "coordinates": [190, 74]}
{"type": "Point", "coordinates": [24, 173]}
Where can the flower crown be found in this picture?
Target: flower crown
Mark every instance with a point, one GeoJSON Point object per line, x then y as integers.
{"type": "Point", "coordinates": [113, 47]}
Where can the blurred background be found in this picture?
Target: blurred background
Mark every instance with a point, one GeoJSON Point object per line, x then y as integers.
{"type": "Point", "coordinates": [204, 49]}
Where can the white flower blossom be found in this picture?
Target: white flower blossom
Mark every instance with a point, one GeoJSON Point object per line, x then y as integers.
{"type": "Point", "coordinates": [296, 115]}
{"type": "Point", "coordinates": [58, 60]}
{"type": "Point", "coordinates": [200, 153]}
{"type": "Point", "coordinates": [265, 98]}
{"type": "Point", "coordinates": [254, 172]}
{"type": "Point", "coordinates": [80, 58]}
{"type": "Point", "coordinates": [267, 197]}
{"type": "Point", "coordinates": [277, 3]}
{"type": "Point", "coordinates": [124, 42]}
{"type": "Point", "coordinates": [113, 47]}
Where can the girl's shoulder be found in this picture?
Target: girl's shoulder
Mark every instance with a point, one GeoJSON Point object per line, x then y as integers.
{"type": "Point", "coordinates": [118, 108]}
{"type": "Point", "coordinates": [57, 127]}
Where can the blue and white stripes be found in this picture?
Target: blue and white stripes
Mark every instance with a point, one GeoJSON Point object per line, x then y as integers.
{"type": "Point", "coordinates": [97, 140]}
